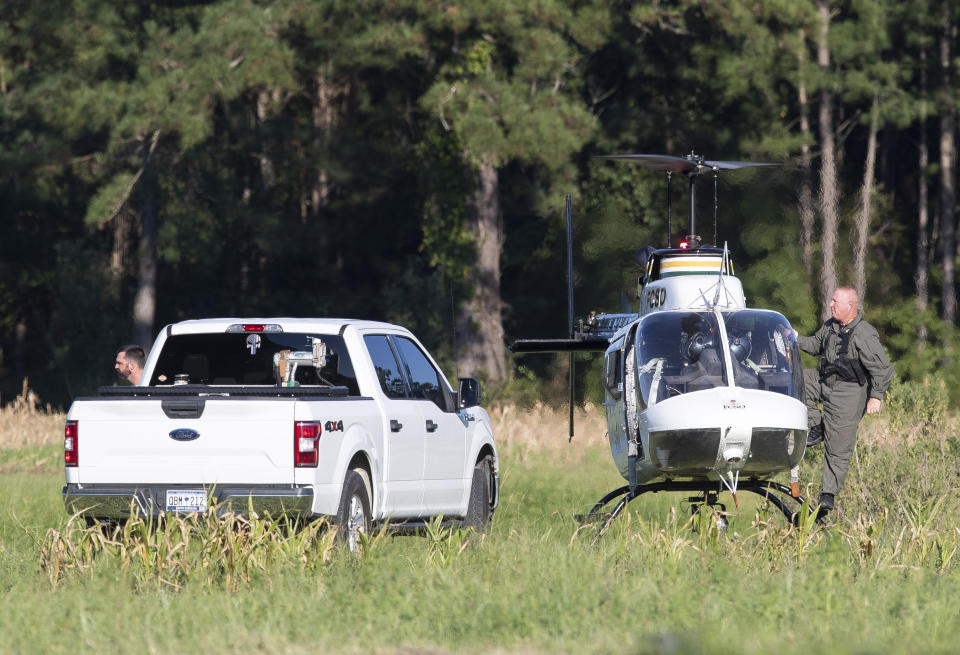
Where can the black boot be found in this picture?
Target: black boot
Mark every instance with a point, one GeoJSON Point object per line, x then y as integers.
{"type": "Point", "coordinates": [826, 507]}
{"type": "Point", "coordinates": [815, 435]}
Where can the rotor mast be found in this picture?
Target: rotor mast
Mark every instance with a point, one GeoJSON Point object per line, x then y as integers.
{"type": "Point", "coordinates": [693, 201]}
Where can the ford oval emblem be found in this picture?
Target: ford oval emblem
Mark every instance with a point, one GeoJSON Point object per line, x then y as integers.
{"type": "Point", "coordinates": [184, 434]}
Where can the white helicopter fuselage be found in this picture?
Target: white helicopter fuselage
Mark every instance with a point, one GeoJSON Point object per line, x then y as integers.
{"type": "Point", "coordinates": [707, 388]}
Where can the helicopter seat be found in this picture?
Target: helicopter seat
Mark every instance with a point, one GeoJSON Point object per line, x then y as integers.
{"type": "Point", "coordinates": [705, 368]}
{"type": "Point", "coordinates": [703, 382]}
{"type": "Point", "coordinates": [745, 377]}
{"type": "Point", "coordinates": [773, 371]}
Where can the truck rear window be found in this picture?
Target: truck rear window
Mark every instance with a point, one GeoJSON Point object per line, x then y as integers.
{"type": "Point", "coordinates": [249, 359]}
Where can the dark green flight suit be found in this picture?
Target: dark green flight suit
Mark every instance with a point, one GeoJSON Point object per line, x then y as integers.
{"type": "Point", "coordinates": [843, 393]}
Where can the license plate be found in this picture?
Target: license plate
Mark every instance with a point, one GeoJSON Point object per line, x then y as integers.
{"type": "Point", "coordinates": [186, 500]}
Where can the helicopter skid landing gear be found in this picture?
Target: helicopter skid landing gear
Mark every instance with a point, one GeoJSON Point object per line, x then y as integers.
{"type": "Point", "coordinates": [775, 492]}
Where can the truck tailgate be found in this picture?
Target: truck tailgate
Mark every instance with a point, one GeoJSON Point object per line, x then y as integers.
{"type": "Point", "coordinates": [235, 440]}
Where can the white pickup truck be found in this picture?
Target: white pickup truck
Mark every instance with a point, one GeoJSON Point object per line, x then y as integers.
{"type": "Point", "coordinates": [311, 417]}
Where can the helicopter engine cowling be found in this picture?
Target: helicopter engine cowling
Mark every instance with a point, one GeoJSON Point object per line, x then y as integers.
{"type": "Point", "coordinates": [689, 279]}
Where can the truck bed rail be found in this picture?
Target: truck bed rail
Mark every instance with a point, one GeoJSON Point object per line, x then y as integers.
{"type": "Point", "coordinates": [222, 391]}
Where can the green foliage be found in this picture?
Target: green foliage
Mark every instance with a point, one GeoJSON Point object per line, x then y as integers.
{"type": "Point", "coordinates": [512, 93]}
{"type": "Point", "coordinates": [447, 242]}
{"type": "Point", "coordinates": [109, 199]}
{"type": "Point", "coordinates": [920, 361]}
{"type": "Point", "coordinates": [918, 409]}
{"type": "Point", "coordinates": [319, 155]}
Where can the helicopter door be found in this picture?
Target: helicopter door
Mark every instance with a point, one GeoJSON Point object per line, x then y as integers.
{"type": "Point", "coordinates": [630, 385]}
{"type": "Point", "coordinates": [613, 366]}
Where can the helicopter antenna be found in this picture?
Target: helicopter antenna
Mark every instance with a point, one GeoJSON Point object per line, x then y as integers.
{"type": "Point", "coordinates": [570, 306]}
{"type": "Point", "coordinates": [669, 197]}
{"type": "Point", "coordinates": [716, 201]}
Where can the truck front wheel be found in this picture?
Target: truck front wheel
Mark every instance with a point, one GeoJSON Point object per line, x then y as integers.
{"type": "Point", "coordinates": [478, 510]}
{"type": "Point", "coordinates": [353, 518]}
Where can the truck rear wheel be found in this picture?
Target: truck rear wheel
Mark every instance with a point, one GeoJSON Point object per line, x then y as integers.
{"type": "Point", "coordinates": [353, 517]}
{"type": "Point", "coordinates": [478, 510]}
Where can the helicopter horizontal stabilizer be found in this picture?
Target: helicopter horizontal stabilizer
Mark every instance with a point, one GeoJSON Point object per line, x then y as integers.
{"type": "Point", "coordinates": [559, 345]}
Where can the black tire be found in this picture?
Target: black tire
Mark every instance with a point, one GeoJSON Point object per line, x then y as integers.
{"type": "Point", "coordinates": [353, 516]}
{"type": "Point", "coordinates": [478, 509]}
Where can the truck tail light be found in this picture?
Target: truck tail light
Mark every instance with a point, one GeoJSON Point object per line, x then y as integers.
{"type": "Point", "coordinates": [71, 445]}
{"type": "Point", "coordinates": [254, 327]}
{"type": "Point", "coordinates": [306, 443]}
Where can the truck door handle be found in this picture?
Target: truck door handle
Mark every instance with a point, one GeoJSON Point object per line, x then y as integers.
{"type": "Point", "coordinates": [431, 426]}
{"type": "Point", "coordinates": [395, 425]}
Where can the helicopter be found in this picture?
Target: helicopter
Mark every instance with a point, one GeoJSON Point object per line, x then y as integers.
{"type": "Point", "coordinates": [701, 393]}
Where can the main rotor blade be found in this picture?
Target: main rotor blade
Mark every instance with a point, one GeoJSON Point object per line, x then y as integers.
{"type": "Point", "coordinates": [683, 164]}
{"type": "Point", "coordinates": [657, 162]}
{"type": "Point", "coordinates": [734, 165]}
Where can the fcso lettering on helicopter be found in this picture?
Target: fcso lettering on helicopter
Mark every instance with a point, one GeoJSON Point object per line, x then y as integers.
{"type": "Point", "coordinates": [656, 298]}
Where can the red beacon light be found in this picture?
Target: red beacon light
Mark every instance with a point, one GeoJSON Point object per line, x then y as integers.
{"type": "Point", "coordinates": [690, 241]}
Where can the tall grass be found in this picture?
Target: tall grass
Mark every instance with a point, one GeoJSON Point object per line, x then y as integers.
{"type": "Point", "coordinates": [541, 429]}
{"type": "Point", "coordinates": [897, 511]}
{"type": "Point", "coordinates": [222, 551]}
{"type": "Point", "coordinates": [884, 578]}
{"type": "Point", "coordinates": [31, 434]}
{"type": "Point", "coordinates": [26, 422]}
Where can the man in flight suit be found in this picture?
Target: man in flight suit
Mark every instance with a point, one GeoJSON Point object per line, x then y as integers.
{"type": "Point", "coordinates": [852, 376]}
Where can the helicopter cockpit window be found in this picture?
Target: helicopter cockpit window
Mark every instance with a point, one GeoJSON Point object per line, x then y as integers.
{"type": "Point", "coordinates": [764, 352]}
{"type": "Point", "coordinates": [677, 353]}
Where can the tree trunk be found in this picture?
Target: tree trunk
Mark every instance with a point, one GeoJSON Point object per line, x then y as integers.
{"type": "Point", "coordinates": [480, 325]}
{"type": "Point", "coordinates": [323, 119]}
{"type": "Point", "coordinates": [866, 204]}
{"type": "Point", "coordinates": [120, 245]}
{"type": "Point", "coordinates": [806, 191]}
{"type": "Point", "coordinates": [947, 170]}
{"type": "Point", "coordinates": [145, 302]}
{"type": "Point", "coordinates": [268, 172]}
{"type": "Point", "coordinates": [828, 169]}
{"type": "Point", "coordinates": [923, 217]}
{"type": "Point", "coordinates": [20, 348]}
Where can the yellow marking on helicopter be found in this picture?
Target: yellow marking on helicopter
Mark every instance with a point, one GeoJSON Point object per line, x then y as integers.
{"type": "Point", "coordinates": [703, 263]}
{"type": "Point", "coordinates": [691, 266]}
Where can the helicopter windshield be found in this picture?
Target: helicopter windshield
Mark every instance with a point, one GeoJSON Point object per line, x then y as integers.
{"type": "Point", "coordinates": [764, 352]}
{"type": "Point", "coordinates": [681, 352]}
{"type": "Point", "coordinates": [677, 353]}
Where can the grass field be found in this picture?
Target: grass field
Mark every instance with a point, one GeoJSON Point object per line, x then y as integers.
{"type": "Point", "coordinates": [885, 579]}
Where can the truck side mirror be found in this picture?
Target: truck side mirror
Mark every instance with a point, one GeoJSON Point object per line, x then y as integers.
{"type": "Point", "coordinates": [469, 394]}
